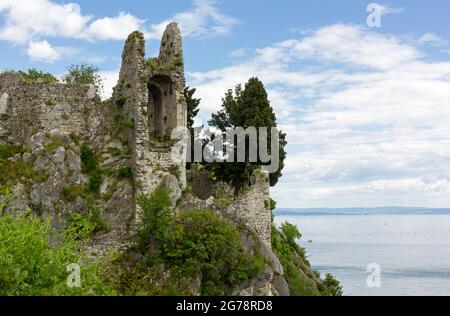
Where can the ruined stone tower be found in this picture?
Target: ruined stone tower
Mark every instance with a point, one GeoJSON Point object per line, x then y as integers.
{"type": "Point", "coordinates": [152, 94]}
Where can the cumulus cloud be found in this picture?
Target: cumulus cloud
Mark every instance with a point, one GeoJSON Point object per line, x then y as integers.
{"type": "Point", "coordinates": [203, 20]}
{"type": "Point", "coordinates": [431, 38]}
{"type": "Point", "coordinates": [367, 119]}
{"type": "Point", "coordinates": [43, 51]}
{"type": "Point", "coordinates": [27, 19]}
{"type": "Point", "coordinates": [27, 22]}
{"type": "Point", "coordinates": [116, 28]}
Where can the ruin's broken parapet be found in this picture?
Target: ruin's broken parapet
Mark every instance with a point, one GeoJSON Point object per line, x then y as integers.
{"type": "Point", "coordinates": [29, 108]}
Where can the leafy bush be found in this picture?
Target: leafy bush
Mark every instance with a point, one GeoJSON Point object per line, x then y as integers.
{"type": "Point", "coordinates": [175, 170]}
{"type": "Point", "coordinates": [211, 248]}
{"type": "Point", "coordinates": [155, 217]}
{"type": "Point", "coordinates": [195, 244]}
{"type": "Point", "coordinates": [125, 173]}
{"type": "Point", "coordinates": [120, 101]}
{"type": "Point", "coordinates": [84, 74]}
{"type": "Point", "coordinates": [332, 287]}
{"type": "Point", "coordinates": [95, 181]}
{"type": "Point", "coordinates": [84, 226]}
{"type": "Point", "coordinates": [90, 165]}
{"type": "Point", "coordinates": [29, 266]}
{"type": "Point", "coordinates": [291, 233]}
{"type": "Point", "coordinates": [13, 169]}
{"type": "Point", "coordinates": [297, 270]}
{"type": "Point", "coordinates": [34, 75]}
{"type": "Point", "coordinates": [88, 159]}
{"type": "Point", "coordinates": [128, 124]}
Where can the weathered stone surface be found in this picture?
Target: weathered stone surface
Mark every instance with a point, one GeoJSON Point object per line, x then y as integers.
{"type": "Point", "coordinates": [4, 97]}
{"type": "Point", "coordinates": [170, 182]}
{"type": "Point", "coordinates": [280, 286]}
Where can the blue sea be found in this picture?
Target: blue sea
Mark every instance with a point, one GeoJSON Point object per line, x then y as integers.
{"type": "Point", "coordinates": [411, 250]}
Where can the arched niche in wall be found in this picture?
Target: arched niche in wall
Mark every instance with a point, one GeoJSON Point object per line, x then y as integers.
{"type": "Point", "coordinates": [161, 105]}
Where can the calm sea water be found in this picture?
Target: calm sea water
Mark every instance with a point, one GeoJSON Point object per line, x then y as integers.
{"type": "Point", "coordinates": [413, 251]}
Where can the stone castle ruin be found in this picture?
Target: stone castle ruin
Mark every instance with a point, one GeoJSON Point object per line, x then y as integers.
{"type": "Point", "coordinates": [53, 121]}
{"type": "Point", "coordinates": [129, 141]}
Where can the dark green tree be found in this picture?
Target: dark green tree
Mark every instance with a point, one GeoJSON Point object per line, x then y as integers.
{"type": "Point", "coordinates": [192, 105]}
{"type": "Point", "coordinates": [192, 111]}
{"type": "Point", "coordinates": [248, 107]}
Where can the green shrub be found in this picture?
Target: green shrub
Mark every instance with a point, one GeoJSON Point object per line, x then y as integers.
{"type": "Point", "coordinates": [332, 287]}
{"type": "Point", "coordinates": [125, 173]}
{"type": "Point", "coordinates": [297, 271]}
{"type": "Point", "coordinates": [37, 76]}
{"type": "Point", "coordinates": [84, 74]}
{"type": "Point", "coordinates": [84, 226]}
{"type": "Point", "coordinates": [211, 248]}
{"type": "Point", "coordinates": [128, 124]}
{"type": "Point", "coordinates": [53, 145]}
{"type": "Point", "coordinates": [152, 64]}
{"type": "Point", "coordinates": [88, 159]}
{"type": "Point", "coordinates": [195, 244]}
{"type": "Point", "coordinates": [155, 217]}
{"type": "Point", "coordinates": [175, 170]}
{"type": "Point", "coordinates": [13, 169]}
{"type": "Point", "coordinates": [120, 101]}
{"type": "Point", "coordinates": [272, 204]}
{"type": "Point", "coordinates": [95, 181]}
{"type": "Point", "coordinates": [8, 151]}
{"type": "Point", "coordinates": [30, 266]}
{"type": "Point", "coordinates": [71, 192]}
{"type": "Point", "coordinates": [291, 233]}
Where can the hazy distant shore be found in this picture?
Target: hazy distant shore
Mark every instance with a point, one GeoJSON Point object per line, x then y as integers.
{"type": "Point", "coordinates": [362, 211]}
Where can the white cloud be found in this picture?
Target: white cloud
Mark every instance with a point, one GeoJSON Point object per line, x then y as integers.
{"type": "Point", "coordinates": [29, 21]}
{"type": "Point", "coordinates": [237, 53]}
{"type": "Point", "coordinates": [43, 51]}
{"type": "Point", "coordinates": [430, 38]}
{"type": "Point", "coordinates": [367, 119]}
{"type": "Point", "coordinates": [385, 9]}
{"type": "Point", "coordinates": [203, 20]}
{"type": "Point", "coordinates": [117, 28]}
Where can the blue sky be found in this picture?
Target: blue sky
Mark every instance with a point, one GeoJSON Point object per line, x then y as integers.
{"type": "Point", "coordinates": [367, 110]}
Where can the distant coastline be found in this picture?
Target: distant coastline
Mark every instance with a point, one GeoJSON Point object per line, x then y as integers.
{"type": "Point", "coordinates": [391, 210]}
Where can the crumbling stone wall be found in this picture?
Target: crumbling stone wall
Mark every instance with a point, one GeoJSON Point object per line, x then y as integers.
{"type": "Point", "coordinates": [251, 207]}
{"type": "Point", "coordinates": [29, 108]}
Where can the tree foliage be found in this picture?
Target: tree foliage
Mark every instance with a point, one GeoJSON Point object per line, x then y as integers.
{"type": "Point", "coordinates": [84, 74]}
{"type": "Point", "coordinates": [30, 265]}
{"type": "Point", "coordinates": [34, 75]}
{"type": "Point", "coordinates": [246, 107]}
{"type": "Point", "coordinates": [192, 106]}
{"type": "Point", "coordinates": [194, 244]}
